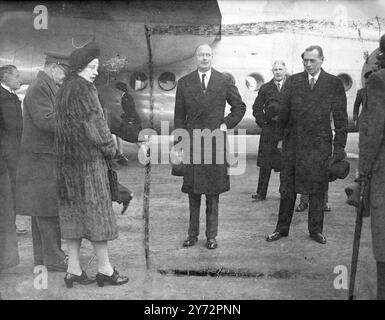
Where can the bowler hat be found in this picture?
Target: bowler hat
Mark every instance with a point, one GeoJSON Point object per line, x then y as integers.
{"type": "Point", "coordinates": [83, 56]}
{"type": "Point", "coordinates": [338, 170]}
{"type": "Point", "coordinates": [272, 109]}
{"type": "Point", "coordinates": [121, 86]}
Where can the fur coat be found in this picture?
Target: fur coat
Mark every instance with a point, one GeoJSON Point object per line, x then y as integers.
{"type": "Point", "coordinates": [83, 142]}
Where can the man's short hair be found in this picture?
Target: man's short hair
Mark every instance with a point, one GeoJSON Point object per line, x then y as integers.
{"type": "Point", "coordinates": [201, 45]}
{"type": "Point", "coordinates": [7, 69]}
{"type": "Point", "coordinates": [121, 86]}
{"type": "Point", "coordinates": [279, 62]}
{"type": "Point", "coordinates": [311, 48]}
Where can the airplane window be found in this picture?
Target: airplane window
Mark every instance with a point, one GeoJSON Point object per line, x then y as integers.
{"type": "Point", "coordinates": [230, 76]}
{"type": "Point", "coordinates": [138, 81]}
{"type": "Point", "coordinates": [254, 81]}
{"type": "Point", "coordinates": [167, 81]}
{"type": "Point", "coordinates": [346, 80]}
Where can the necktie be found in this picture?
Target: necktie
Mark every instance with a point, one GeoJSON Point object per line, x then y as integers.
{"type": "Point", "coordinates": [203, 82]}
{"type": "Point", "coordinates": [279, 86]}
{"type": "Point", "coordinates": [312, 83]}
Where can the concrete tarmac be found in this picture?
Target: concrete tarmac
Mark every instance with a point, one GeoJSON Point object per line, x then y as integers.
{"type": "Point", "coordinates": [244, 266]}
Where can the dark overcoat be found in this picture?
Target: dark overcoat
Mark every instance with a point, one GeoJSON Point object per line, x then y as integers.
{"type": "Point", "coordinates": [307, 134]}
{"type": "Point", "coordinates": [268, 142]}
{"type": "Point", "coordinates": [360, 100]}
{"type": "Point", "coordinates": [372, 157]}
{"type": "Point", "coordinates": [195, 109]}
{"type": "Point", "coordinates": [9, 255]}
{"type": "Point", "coordinates": [82, 143]}
{"type": "Point", "coordinates": [11, 124]}
{"type": "Point", "coordinates": [36, 175]}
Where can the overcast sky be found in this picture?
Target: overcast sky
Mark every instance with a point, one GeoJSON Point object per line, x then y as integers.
{"type": "Point", "coordinates": [243, 11]}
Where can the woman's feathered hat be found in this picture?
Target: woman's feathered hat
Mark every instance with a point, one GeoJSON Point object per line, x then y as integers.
{"type": "Point", "coordinates": [83, 56]}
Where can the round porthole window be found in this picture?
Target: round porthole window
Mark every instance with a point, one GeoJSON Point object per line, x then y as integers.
{"type": "Point", "coordinates": [167, 81]}
{"type": "Point", "coordinates": [138, 81]}
{"type": "Point", "coordinates": [254, 81]}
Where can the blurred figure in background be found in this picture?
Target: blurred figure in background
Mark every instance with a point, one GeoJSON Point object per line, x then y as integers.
{"type": "Point", "coordinates": [266, 117]}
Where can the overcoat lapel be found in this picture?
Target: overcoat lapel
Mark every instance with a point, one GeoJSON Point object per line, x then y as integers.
{"type": "Point", "coordinates": [311, 94]}
{"type": "Point", "coordinates": [202, 98]}
{"type": "Point", "coordinates": [213, 85]}
{"type": "Point", "coordinates": [196, 89]}
{"type": "Point", "coordinates": [50, 83]}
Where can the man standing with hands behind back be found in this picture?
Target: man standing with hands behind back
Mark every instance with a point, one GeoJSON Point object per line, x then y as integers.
{"type": "Point", "coordinates": [307, 102]}
{"type": "Point", "coordinates": [266, 119]}
{"type": "Point", "coordinates": [200, 103]}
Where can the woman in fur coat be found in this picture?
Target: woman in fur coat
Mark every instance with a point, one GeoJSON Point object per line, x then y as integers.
{"type": "Point", "coordinates": [83, 143]}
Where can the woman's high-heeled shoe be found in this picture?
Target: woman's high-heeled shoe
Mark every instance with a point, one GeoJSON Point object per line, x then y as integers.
{"type": "Point", "coordinates": [115, 279]}
{"type": "Point", "coordinates": [83, 279]}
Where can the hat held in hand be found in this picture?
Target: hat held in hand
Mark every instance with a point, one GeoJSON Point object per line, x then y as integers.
{"type": "Point", "coordinates": [338, 170]}
{"type": "Point", "coordinates": [273, 108]}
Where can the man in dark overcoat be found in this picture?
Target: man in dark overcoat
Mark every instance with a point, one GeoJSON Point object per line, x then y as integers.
{"type": "Point", "coordinates": [371, 164]}
{"type": "Point", "coordinates": [360, 99]}
{"type": "Point", "coordinates": [200, 103]}
{"type": "Point", "coordinates": [36, 180]}
{"type": "Point", "coordinates": [9, 255]}
{"type": "Point", "coordinates": [11, 125]}
{"type": "Point", "coordinates": [308, 149]}
{"type": "Point", "coordinates": [268, 143]}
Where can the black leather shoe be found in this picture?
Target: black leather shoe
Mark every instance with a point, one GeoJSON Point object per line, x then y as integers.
{"type": "Point", "coordinates": [258, 197]}
{"type": "Point", "coordinates": [115, 279]}
{"type": "Point", "coordinates": [275, 236]}
{"type": "Point", "coordinates": [327, 208]}
{"type": "Point", "coordinates": [301, 207]}
{"type": "Point", "coordinates": [318, 237]}
{"type": "Point", "coordinates": [211, 244]}
{"type": "Point", "coordinates": [190, 241]}
{"type": "Point", "coordinates": [83, 279]}
{"type": "Point", "coordinates": [21, 232]}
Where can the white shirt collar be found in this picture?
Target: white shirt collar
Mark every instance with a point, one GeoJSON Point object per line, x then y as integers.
{"type": "Point", "coordinates": [309, 76]}
{"type": "Point", "coordinates": [280, 82]}
{"type": "Point", "coordinates": [6, 87]}
{"type": "Point", "coordinates": [207, 73]}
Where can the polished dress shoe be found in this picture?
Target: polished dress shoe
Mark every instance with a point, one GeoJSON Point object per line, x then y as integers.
{"type": "Point", "coordinates": [83, 279]}
{"type": "Point", "coordinates": [258, 197]}
{"type": "Point", "coordinates": [301, 207]}
{"type": "Point", "coordinates": [327, 208]}
{"type": "Point", "coordinates": [211, 244]}
{"type": "Point", "coordinates": [21, 232]}
{"type": "Point", "coordinates": [318, 237]}
{"type": "Point", "coordinates": [115, 279]}
{"type": "Point", "coordinates": [275, 236]}
{"type": "Point", "coordinates": [190, 241]}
